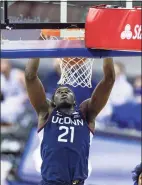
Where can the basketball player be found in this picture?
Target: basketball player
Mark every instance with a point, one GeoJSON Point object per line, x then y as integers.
{"type": "Point", "coordinates": [67, 132]}
{"type": "Point", "coordinates": [137, 175]}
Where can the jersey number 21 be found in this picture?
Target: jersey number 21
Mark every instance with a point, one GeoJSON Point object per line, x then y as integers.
{"type": "Point", "coordinates": [66, 131]}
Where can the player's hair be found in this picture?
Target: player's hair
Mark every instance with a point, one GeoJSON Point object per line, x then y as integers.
{"type": "Point", "coordinates": [52, 99]}
{"type": "Point", "coordinates": [136, 173]}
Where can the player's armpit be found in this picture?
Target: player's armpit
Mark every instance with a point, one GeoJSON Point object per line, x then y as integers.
{"type": "Point", "coordinates": [42, 119]}
{"type": "Point", "coordinates": [85, 112]}
{"type": "Point", "coordinates": [84, 109]}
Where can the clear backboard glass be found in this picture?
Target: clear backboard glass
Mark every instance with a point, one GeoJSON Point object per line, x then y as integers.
{"type": "Point", "coordinates": [52, 11]}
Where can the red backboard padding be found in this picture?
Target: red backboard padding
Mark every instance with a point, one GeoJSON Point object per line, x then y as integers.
{"type": "Point", "coordinates": [113, 28]}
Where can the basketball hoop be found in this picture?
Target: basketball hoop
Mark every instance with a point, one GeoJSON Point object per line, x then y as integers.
{"type": "Point", "coordinates": [74, 71]}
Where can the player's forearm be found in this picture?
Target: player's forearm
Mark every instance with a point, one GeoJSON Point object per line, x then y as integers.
{"type": "Point", "coordinates": [32, 66]}
{"type": "Point", "coordinates": [32, 69]}
{"type": "Point", "coordinates": [108, 68]}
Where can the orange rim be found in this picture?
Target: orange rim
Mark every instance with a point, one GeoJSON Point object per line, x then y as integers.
{"type": "Point", "coordinates": [50, 32]}
{"type": "Point", "coordinates": [57, 33]}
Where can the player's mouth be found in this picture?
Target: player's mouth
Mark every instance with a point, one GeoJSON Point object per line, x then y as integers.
{"type": "Point", "coordinates": [64, 96]}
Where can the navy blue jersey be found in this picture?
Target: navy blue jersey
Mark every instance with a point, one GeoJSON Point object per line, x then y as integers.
{"type": "Point", "coordinates": [65, 148]}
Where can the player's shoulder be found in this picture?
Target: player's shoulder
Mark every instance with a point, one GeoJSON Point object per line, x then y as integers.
{"type": "Point", "coordinates": [84, 106]}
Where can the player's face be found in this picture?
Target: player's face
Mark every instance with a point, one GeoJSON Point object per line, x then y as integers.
{"type": "Point", "coordinates": [64, 97]}
{"type": "Point", "coordinates": [140, 179]}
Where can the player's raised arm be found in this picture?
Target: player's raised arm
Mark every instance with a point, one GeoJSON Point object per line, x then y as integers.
{"type": "Point", "coordinates": [101, 93]}
{"type": "Point", "coordinates": [35, 88]}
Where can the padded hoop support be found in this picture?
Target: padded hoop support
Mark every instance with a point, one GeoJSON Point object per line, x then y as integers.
{"type": "Point", "coordinates": [113, 28]}
{"type": "Point", "coordinates": [65, 52]}
{"type": "Point", "coordinates": [56, 49]}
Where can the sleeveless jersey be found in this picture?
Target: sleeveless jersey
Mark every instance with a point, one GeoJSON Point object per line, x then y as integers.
{"type": "Point", "coordinates": [65, 148]}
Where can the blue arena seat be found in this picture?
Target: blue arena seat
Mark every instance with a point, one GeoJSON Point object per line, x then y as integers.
{"type": "Point", "coordinates": [128, 115]}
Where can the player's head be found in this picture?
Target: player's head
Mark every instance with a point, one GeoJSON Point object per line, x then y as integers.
{"type": "Point", "coordinates": [137, 175]}
{"type": "Point", "coordinates": [63, 98]}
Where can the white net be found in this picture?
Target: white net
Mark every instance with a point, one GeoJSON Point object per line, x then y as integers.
{"type": "Point", "coordinates": [74, 71]}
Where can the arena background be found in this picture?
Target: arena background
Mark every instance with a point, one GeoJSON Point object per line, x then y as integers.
{"type": "Point", "coordinates": [116, 148]}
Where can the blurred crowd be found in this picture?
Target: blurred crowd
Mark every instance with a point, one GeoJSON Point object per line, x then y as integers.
{"type": "Point", "coordinates": [122, 110]}
{"type": "Point", "coordinates": [13, 94]}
